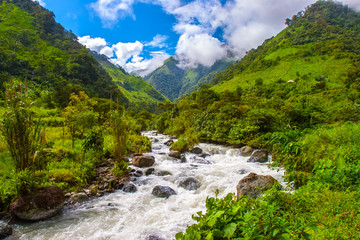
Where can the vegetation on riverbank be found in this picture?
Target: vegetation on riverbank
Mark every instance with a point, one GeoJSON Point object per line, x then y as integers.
{"type": "Point", "coordinates": [298, 96]}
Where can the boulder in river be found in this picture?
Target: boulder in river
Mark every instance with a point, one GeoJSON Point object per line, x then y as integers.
{"type": "Point", "coordinates": [169, 142]}
{"type": "Point", "coordinates": [196, 150]}
{"type": "Point", "coordinates": [246, 151]}
{"type": "Point", "coordinates": [5, 230]}
{"type": "Point", "coordinates": [253, 185]}
{"type": "Point", "coordinates": [175, 154]}
{"type": "Point", "coordinates": [163, 173]}
{"type": "Point", "coordinates": [129, 188]}
{"type": "Point", "coordinates": [149, 171]}
{"type": "Point", "coordinates": [79, 197]}
{"type": "Point", "coordinates": [259, 155]}
{"type": "Point", "coordinates": [44, 204]}
{"type": "Point", "coordinates": [163, 191]}
{"type": "Point", "coordinates": [190, 183]}
{"type": "Point", "coordinates": [143, 161]}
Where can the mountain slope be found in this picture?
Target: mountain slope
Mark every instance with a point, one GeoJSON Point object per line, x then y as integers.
{"type": "Point", "coordinates": [34, 46]}
{"type": "Point", "coordinates": [322, 41]}
{"type": "Point", "coordinates": [174, 81]}
{"type": "Point", "coordinates": [140, 94]}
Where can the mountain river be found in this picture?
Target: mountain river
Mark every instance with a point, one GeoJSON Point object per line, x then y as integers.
{"type": "Point", "coordinates": [141, 215]}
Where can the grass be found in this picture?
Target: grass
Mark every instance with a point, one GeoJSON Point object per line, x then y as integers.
{"type": "Point", "coordinates": [332, 68]}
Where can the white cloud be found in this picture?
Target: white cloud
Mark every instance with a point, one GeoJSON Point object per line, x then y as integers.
{"type": "Point", "coordinates": [245, 25]}
{"type": "Point", "coordinates": [143, 67]}
{"type": "Point", "coordinates": [158, 41]}
{"type": "Point", "coordinates": [41, 2]}
{"type": "Point", "coordinates": [199, 49]}
{"type": "Point", "coordinates": [94, 44]}
{"type": "Point", "coordinates": [128, 55]}
{"type": "Point", "coordinates": [110, 11]}
{"type": "Point", "coordinates": [125, 51]}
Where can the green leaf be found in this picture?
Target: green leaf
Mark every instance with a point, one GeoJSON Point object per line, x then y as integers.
{"type": "Point", "coordinates": [209, 236]}
{"type": "Point", "coordinates": [229, 229]}
{"type": "Point", "coordinates": [214, 218]}
{"type": "Point", "coordinates": [275, 232]}
{"type": "Point", "coordinates": [179, 235]}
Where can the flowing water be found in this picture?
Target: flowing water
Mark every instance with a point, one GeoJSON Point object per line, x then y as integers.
{"type": "Point", "coordinates": [139, 215]}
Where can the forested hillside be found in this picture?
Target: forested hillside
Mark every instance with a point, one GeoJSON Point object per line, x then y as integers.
{"type": "Point", "coordinates": [174, 81]}
{"type": "Point", "coordinates": [140, 94]}
{"type": "Point", "coordinates": [35, 47]}
{"type": "Point", "coordinates": [296, 95]}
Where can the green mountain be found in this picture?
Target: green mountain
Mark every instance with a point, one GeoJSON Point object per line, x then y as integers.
{"type": "Point", "coordinates": [322, 41]}
{"type": "Point", "coordinates": [140, 94]}
{"type": "Point", "coordinates": [174, 82]}
{"type": "Point", "coordinates": [34, 47]}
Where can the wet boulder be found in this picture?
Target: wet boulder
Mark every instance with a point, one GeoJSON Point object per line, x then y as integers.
{"type": "Point", "coordinates": [196, 150]}
{"type": "Point", "coordinates": [47, 202]}
{"type": "Point", "coordinates": [149, 171]}
{"type": "Point", "coordinates": [246, 151]}
{"type": "Point", "coordinates": [169, 142]}
{"type": "Point", "coordinates": [253, 185]}
{"type": "Point", "coordinates": [143, 161]}
{"type": "Point", "coordinates": [163, 173]}
{"type": "Point", "coordinates": [5, 230]}
{"type": "Point", "coordinates": [129, 188]}
{"type": "Point", "coordinates": [154, 237]}
{"type": "Point", "coordinates": [163, 191]}
{"type": "Point", "coordinates": [79, 197]}
{"type": "Point", "coordinates": [190, 183]}
{"type": "Point", "coordinates": [259, 155]}
{"type": "Point", "coordinates": [175, 154]}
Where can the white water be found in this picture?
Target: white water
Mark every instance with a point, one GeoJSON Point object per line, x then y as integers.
{"type": "Point", "coordinates": [137, 215]}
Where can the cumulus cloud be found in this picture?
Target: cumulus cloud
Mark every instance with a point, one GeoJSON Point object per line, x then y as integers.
{"type": "Point", "coordinates": [199, 49]}
{"type": "Point", "coordinates": [94, 44]}
{"type": "Point", "coordinates": [125, 51]}
{"type": "Point", "coordinates": [128, 55]}
{"type": "Point", "coordinates": [110, 11]}
{"type": "Point", "coordinates": [143, 67]}
{"type": "Point", "coordinates": [158, 41]}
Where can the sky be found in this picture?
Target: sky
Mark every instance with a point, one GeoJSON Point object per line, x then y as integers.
{"type": "Point", "coordinates": [139, 35]}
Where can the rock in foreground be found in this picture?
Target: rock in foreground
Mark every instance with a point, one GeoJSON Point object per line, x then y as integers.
{"type": "Point", "coordinates": [253, 185]}
{"type": "Point", "coordinates": [163, 191]}
{"type": "Point", "coordinates": [40, 206]}
{"type": "Point", "coordinates": [143, 161]}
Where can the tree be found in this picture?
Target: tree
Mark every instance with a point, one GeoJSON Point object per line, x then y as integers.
{"type": "Point", "coordinates": [21, 132]}
{"type": "Point", "coordinates": [79, 115]}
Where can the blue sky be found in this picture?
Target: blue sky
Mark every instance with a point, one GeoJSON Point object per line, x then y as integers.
{"type": "Point", "coordinates": [140, 35]}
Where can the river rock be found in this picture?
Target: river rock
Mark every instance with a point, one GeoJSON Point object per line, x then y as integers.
{"type": "Point", "coordinates": [5, 230]}
{"type": "Point", "coordinates": [149, 171]}
{"type": "Point", "coordinates": [143, 161]}
{"type": "Point", "coordinates": [163, 191]}
{"type": "Point", "coordinates": [246, 151]}
{"type": "Point", "coordinates": [129, 188]}
{"type": "Point", "coordinates": [196, 150]}
{"type": "Point", "coordinates": [253, 185]}
{"type": "Point", "coordinates": [137, 154]}
{"type": "Point", "coordinates": [79, 197]}
{"type": "Point", "coordinates": [175, 154]}
{"type": "Point", "coordinates": [242, 171]}
{"type": "Point", "coordinates": [154, 237]}
{"type": "Point", "coordinates": [204, 155]}
{"type": "Point", "coordinates": [163, 173]}
{"type": "Point", "coordinates": [169, 142]}
{"type": "Point", "coordinates": [40, 206]}
{"type": "Point", "coordinates": [259, 155]}
{"type": "Point", "coordinates": [190, 183]}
